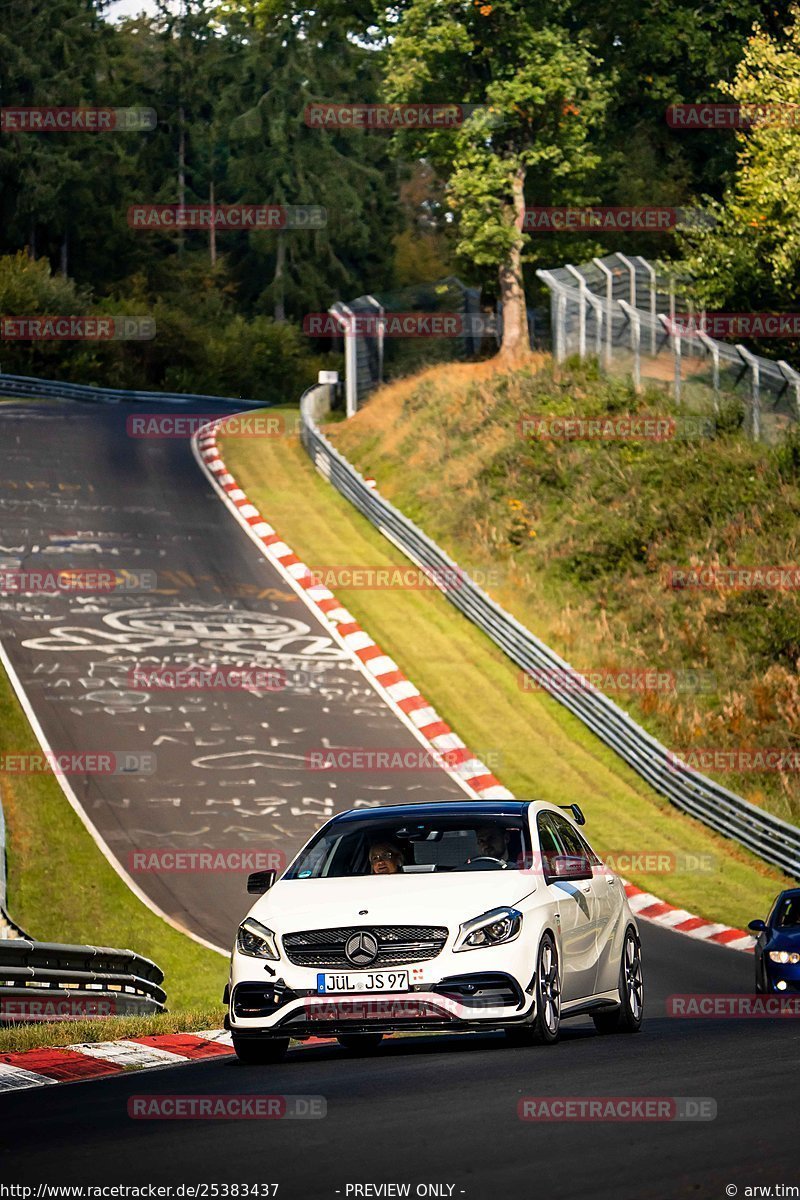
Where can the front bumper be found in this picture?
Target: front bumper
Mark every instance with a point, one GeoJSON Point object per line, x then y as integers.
{"type": "Point", "coordinates": [785, 974]}
{"type": "Point", "coordinates": [480, 989]}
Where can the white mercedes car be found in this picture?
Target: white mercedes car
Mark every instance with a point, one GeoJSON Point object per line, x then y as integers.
{"type": "Point", "coordinates": [481, 915]}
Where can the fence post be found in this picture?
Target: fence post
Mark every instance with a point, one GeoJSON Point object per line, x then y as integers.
{"type": "Point", "coordinates": [346, 318]}
{"type": "Point", "coordinates": [626, 262]}
{"type": "Point", "coordinates": [381, 330]}
{"type": "Point", "coordinates": [653, 323]}
{"type": "Point", "coordinates": [581, 311]}
{"type": "Point", "coordinates": [755, 389]}
{"type": "Point", "coordinates": [558, 314]}
{"type": "Point", "coordinates": [713, 349]}
{"type": "Point", "coordinates": [597, 309]}
{"type": "Point", "coordinates": [636, 340]}
{"type": "Point", "coordinates": [793, 380]}
{"type": "Point", "coordinates": [561, 325]}
{"type": "Point", "coordinates": [598, 262]}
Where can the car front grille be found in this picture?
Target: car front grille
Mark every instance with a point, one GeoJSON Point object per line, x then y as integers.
{"type": "Point", "coordinates": [397, 944]}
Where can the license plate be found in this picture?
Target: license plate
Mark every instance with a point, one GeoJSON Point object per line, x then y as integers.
{"type": "Point", "coordinates": [329, 982]}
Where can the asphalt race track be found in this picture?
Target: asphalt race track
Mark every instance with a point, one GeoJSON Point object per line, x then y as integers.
{"type": "Point", "coordinates": [225, 770]}
{"type": "Point", "coordinates": [231, 771]}
{"type": "Point", "coordinates": [443, 1110]}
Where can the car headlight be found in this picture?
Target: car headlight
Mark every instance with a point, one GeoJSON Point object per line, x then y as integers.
{"type": "Point", "coordinates": [490, 929]}
{"type": "Point", "coordinates": [784, 957]}
{"type": "Point", "coordinates": [255, 940]}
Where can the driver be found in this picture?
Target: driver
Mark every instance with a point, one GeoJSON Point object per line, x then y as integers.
{"type": "Point", "coordinates": [386, 857]}
{"type": "Point", "coordinates": [493, 842]}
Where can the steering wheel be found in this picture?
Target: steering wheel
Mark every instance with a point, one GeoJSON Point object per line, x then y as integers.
{"type": "Point", "coordinates": [486, 862]}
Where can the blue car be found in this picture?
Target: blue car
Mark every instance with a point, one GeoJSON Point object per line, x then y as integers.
{"type": "Point", "coordinates": [777, 951]}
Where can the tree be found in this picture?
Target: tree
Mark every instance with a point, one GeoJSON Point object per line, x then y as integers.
{"type": "Point", "coordinates": [52, 54]}
{"type": "Point", "coordinates": [663, 53]}
{"type": "Point", "coordinates": [751, 256]}
{"type": "Point", "coordinates": [541, 97]}
{"type": "Point", "coordinates": [295, 56]}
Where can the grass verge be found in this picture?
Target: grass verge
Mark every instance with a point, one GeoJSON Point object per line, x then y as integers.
{"type": "Point", "coordinates": [535, 746]}
{"type": "Point", "coordinates": [590, 542]}
{"type": "Point", "coordinates": [16, 1039]}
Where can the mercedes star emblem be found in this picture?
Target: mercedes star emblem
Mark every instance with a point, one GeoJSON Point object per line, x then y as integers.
{"type": "Point", "coordinates": [361, 949]}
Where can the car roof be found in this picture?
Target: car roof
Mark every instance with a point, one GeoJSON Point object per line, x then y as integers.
{"type": "Point", "coordinates": [445, 808]}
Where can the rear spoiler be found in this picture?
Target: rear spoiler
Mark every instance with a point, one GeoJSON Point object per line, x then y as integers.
{"type": "Point", "coordinates": [576, 813]}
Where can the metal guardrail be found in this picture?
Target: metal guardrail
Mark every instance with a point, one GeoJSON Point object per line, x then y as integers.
{"type": "Point", "coordinates": [45, 981]}
{"type": "Point", "coordinates": [27, 385]}
{"type": "Point", "coordinates": [774, 840]}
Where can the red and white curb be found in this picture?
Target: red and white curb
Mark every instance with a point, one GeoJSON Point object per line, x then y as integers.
{"type": "Point", "coordinates": [96, 1060]}
{"type": "Point", "coordinates": [93, 1060]}
{"type": "Point", "coordinates": [650, 908]}
{"type": "Point", "coordinates": [381, 670]}
{"type": "Point", "coordinates": [403, 695]}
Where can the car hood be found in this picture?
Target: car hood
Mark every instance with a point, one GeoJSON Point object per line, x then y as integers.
{"type": "Point", "coordinates": [785, 939]}
{"type": "Point", "coordinates": [447, 899]}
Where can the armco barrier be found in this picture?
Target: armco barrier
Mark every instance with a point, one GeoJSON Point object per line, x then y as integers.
{"type": "Point", "coordinates": [774, 840]}
{"type": "Point", "coordinates": [38, 978]}
{"type": "Point", "coordinates": [29, 385]}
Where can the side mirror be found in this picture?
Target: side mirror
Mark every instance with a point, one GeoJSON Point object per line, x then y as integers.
{"type": "Point", "coordinates": [572, 868]}
{"type": "Point", "coordinates": [260, 882]}
{"type": "Point", "coordinates": [757, 926]}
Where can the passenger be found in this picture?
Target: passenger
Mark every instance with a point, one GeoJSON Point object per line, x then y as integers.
{"type": "Point", "coordinates": [386, 857]}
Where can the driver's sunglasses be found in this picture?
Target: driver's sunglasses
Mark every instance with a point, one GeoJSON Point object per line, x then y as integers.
{"type": "Point", "coordinates": [381, 857]}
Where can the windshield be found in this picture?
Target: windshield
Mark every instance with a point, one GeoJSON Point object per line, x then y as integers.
{"type": "Point", "coordinates": [391, 847]}
{"type": "Point", "coordinates": [788, 914]}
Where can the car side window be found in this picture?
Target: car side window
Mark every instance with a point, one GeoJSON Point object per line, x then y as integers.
{"type": "Point", "coordinates": [571, 840]}
{"type": "Point", "coordinates": [594, 859]}
{"type": "Point", "coordinates": [548, 839]}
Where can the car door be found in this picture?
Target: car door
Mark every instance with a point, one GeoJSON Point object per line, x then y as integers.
{"type": "Point", "coordinates": [610, 902]}
{"type": "Point", "coordinates": [576, 908]}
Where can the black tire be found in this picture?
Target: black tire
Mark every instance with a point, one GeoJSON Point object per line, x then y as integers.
{"type": "Point", "coordinates": [260, 1051]}
{"type": "Point", "coordinates": [547, 1025]}
{"type": "Point", "coordinates": [360, 1043]}
{"type": "Point", "coordinates": [628, 1017]}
